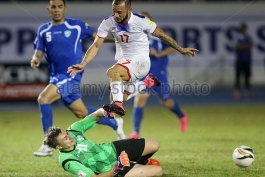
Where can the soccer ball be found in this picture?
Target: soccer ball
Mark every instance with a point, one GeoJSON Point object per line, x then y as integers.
{"type": "Point", "coordinates": [243, 156]}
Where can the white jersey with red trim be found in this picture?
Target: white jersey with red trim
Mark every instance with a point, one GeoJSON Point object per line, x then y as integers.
{"type": "Point", "coordinates": [131, 39]}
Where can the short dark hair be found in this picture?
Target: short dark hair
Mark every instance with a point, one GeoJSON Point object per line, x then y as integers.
{"type": "Point", "coordinates": [64, 3]}
{"type": "Point", "coordinates": [51, 136]}
{"type": "Point", "coordinates": [243, 25]}
{"type": "Point", "coordinates": [118, 2]}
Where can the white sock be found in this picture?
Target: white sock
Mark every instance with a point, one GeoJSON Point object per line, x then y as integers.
{"type": "Point", "coordinates": [134, 88]}
{"type": "Point", "coordinates": [117, 89]}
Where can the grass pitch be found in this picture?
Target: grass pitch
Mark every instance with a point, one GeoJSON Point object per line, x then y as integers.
{"type": "Point", "coordinates": [205, 150]}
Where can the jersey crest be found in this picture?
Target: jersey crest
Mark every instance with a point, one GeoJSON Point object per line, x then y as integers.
{"type": "Point", "coordinates": [67, 33]}
{"type": "Point", "coordinates": [80, 138]}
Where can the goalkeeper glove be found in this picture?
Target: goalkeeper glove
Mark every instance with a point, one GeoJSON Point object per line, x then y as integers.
{"type": "Point", "coordinates": [123, 161]}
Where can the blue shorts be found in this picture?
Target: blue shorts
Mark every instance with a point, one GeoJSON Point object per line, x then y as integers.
{"type": "Point", "coordinates": [162, 91]}
{"type": "Point", "coordinates": [68, 87]}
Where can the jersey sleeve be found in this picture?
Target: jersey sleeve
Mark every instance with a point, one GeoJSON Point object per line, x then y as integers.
{"type": "Point", "coordinates": [76, 168]}
{"type": "Point", "coordinates": [148, 25]}
{"type": "Point", "coordinates": [103, 29]}
{"type": "Point", "coordinates": [86, 30]}
{"type": "Point", "coordinates": [39, 41]}
{"type": "Point", "coordinates": [83, 125]}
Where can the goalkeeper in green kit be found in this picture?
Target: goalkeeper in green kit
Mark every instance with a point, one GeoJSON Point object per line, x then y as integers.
{"type": "Point", "coordinates": [83, 158]}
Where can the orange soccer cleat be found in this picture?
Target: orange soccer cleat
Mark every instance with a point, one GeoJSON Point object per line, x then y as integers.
{"type": "Point", "coordinates": [153, 162]}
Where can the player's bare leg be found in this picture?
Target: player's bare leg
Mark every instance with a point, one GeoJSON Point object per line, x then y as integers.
{"type": "Point", "coordinates": [131, 89]}
{"type": "Point", "coordinates": [49, 95]}
{"type": "Point", "coordinates": [151, 146]}
{"type": "Point", "coordinates": [79, 109]}
{"type": "Point", "coordinates": [117, 74]}
{"type": "Point", "coordinates": [145, 170]}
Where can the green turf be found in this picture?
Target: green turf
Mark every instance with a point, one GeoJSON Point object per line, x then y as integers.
{"type": "Point", "coordinates": [203, 151]}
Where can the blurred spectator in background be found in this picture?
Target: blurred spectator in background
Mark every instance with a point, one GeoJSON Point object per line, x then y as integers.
{"type": "Point", "coordinates": [243, 46]}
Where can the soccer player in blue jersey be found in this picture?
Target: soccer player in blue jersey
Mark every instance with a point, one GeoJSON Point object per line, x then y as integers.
{"type": "Point", "coordinates": [60, 42]}
{"type": "Point", "coordinates": [159, 52]}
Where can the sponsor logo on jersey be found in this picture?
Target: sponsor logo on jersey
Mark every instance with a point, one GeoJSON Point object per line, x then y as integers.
{"type": "Point", "coordinates": [80, 138]}
{"type": "Point", "coordinates": [67, 33]}
{"type": "Point", "coordinates": [57, 32]}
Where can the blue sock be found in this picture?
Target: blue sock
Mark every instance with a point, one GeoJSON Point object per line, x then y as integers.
{"type": "Point", "coordinates": [137, 117]}
{"type": "Point", "coordinates": [91, 110]}
{"type": "Point", "coordinates": [104, 121]}
{"type": "Point", "coordinates": [109, 122]}
{"type": "Point", "coordinates": [46, 116]}
{"type": "Point", "coordinates": [176, 109]}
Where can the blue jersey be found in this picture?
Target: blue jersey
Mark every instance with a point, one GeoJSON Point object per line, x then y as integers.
{"type": "Point", "coordinates": [159, 68]}
{"type": "Point", "coordinates": [243, 55]}
{"type": "Point", "coordinates": [157, 64]}
{"type": "Point", "coordinates": [62, 43]}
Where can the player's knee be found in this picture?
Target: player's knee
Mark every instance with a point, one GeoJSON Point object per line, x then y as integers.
{"type": "Point", "coordinates": [42, 99]}
{"type": "Point", "coordinates": [112, 73]}
{"type": "Point", "coordinates": [80, 115]}
{"type": "Point", "coordinates": [108, 72]}
{"type": "Point", "coordinates": [139, 103]}
{"type": "Point", "coordinates": [140, 100]}
{"type": "Point", "coordinates": [167, 103]}
{"type": "Point", "coordinates": [153, 146]}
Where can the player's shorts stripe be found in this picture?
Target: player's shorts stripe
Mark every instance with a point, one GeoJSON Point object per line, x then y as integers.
{"type": "Point", "coordinates": [100, 37]}
{"type": "Point", "coordinates": [67, 160]}
{"type": "Point", "coordinates": [154, 30]}
{"type": "Point", "coordinates": [128, 71]}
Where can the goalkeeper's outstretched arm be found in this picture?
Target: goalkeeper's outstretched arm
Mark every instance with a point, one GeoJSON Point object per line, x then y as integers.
{"type": "Point", "coordinates": [88, 122]}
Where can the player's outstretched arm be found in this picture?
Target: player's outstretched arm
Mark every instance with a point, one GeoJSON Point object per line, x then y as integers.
{"type": "Point", "coordinates": [36, 59]}
{"type": "Point", "coordinates": [90, 54]}
{"type": "Point", "coordinates": [106, 39]}
{"type": "Point", "coordinates": [172, 43]}
{"type": "Point", "coordinates": [167, 51]}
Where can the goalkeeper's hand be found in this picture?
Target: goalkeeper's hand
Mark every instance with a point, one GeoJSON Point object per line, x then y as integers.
{"type": "Point", "coordinates": [123, 161]}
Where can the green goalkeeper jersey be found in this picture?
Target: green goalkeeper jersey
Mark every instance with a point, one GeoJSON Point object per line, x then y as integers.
{"type": "Point", "coordinates": [87, 158]}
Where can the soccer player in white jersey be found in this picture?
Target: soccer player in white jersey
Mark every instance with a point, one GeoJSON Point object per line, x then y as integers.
{"type": "Point", "coordinates": [132, 53]}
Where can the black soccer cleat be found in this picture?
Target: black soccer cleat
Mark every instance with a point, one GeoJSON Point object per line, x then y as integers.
{"type": "Point", "coordinates": [117, 108]}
